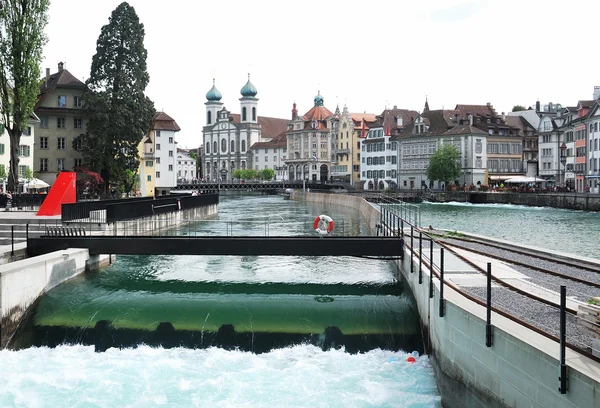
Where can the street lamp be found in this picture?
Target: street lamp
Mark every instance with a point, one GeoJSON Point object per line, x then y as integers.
{"type": "Point", "coordinates": [563, 160]}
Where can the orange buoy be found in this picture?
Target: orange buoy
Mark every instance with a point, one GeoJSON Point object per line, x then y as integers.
{"type": "Point", "coordinates": [411, 359]}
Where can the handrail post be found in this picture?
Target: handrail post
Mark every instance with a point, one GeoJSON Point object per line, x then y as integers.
{"type": "Point", "coordinates": [12, 240]}
{"type": "Point", "coordinates": [563, 334]}
{"type": "Point", "coordinates": [420, 257]}
{"type": "Point", "coordinates": [488, 324]}
{"type": "Point", "coordinates": [412, 246]}
{"type": "Point", "coordinates": [431, 268]}
{"type": "Point", "coordinates": [442, 311]}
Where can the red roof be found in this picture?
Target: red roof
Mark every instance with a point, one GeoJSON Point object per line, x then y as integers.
{"type": "Point", "coordinates": [271, 127]}
{"type": "Point", "coordinates": [317, 113]}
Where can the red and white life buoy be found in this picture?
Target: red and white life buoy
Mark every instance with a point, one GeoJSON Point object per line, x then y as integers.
{"type": "Point", "coordinates": [323, 224]}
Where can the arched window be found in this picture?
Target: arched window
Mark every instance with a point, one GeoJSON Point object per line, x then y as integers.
{"type": "Point", "coordinates": [207, 147]}
{"type": "Point", "coordinates": [209, 117]}
{"type": "Point", "coordinates": [254, 114]}
{"type": "Point", "coordinates": [232, 146]}
{"type": "Point", "coordinates": [244, 114]}
{"type": "Point", "coordinates": [232, 166]}
{"type": "Point", "coordinates": [223, 145]}
{"type": "Point", "coordinates": [215, 148]}
{"type": "Point", "coordinates": [243, 145]}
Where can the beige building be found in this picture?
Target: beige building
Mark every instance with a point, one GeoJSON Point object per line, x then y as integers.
{"type": "Point", "coordinates": [351, 128]}
{"type": "Point", "coordinates": [58, 108]}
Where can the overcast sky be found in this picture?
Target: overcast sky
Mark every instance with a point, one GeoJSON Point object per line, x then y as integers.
{"type": "Point", "coordinates": [367, 55]}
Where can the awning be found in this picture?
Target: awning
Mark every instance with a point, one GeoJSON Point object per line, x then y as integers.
{"type": "Point", "coordinates": [500, 178]}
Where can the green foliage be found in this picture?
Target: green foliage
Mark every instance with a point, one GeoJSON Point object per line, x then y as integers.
{"type": "Point", "coordinates": [247, 174]}
{"type": "Point", "coordinates": [22, 40]}
{"type": "Point", "coordinates": [193, 155]}
{"type": "Point", "coordinates": [2, 173]}
{"type": "Point", "coordinates": [237, 174]}
{"type": "Point", "coordinates": [444, 164]}
{"type": "Point", "coordinates": [267, 174]}
{"type": "Point", "coordinates": [130, 181]}
{"type": "Point", "coordinates": [518, 108]}
{"type": "Point", "coordinates": [28, 173]}
{"type": "Point", "coordinates": [118, 112]}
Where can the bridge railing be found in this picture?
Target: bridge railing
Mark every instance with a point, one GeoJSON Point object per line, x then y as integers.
{"type": "Point", "coordinates": [93, 211]}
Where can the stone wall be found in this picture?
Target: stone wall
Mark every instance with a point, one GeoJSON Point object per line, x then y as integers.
{"type": "Point", "coordinates": [570, 201]}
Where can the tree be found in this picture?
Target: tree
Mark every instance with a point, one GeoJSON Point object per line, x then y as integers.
{"type": "Point", "coordinates": [518, 108]}
{"type": "Point", "coordinates": [114, 103]}
{"type": "Point", "coordinates": [444, 164]}
{"type": "Point", "coordinates": [22, 39]}
{"type": "Point", "coordinates": [267, 174]}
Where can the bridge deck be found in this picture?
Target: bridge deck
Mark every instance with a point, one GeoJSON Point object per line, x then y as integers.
{"type": "Point", "coordinates": [173, 245]}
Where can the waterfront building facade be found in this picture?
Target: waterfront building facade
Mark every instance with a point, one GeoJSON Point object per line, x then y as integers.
{"type": "Point", "coordinates": [592, 122]}
{"type": "Point", "coordinates": [310, 143]}
{"type": "Point", "coordinates": [186, 167]}
{"type": "Point", "coordinates": [228, 137]}
{"type": "Point", "coordinates": [272, 155]}
{"type": "Point", "coordinates": [26, 150]}
{"type": "Point", "coordinates": [58, 108]}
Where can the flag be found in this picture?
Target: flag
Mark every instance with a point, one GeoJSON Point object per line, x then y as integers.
{"type": "Point", "coordinates": [314, 157]}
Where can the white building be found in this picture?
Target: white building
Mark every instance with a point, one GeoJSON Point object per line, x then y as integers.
{"type": "Point", "coordinates": [26, 144]}
{"type": "Point", "coordinates": [227, 137]}
{"type": "Point", "coordinates": [592, 178]}
{"type": "Point", "coordinates": [165, 149]}
{"type": "Point", "coordinates": [272, 155]}
{"type": "Point", "coordinates": [186, 166]}
{"type": "Point", "coordinates": [379, 159]}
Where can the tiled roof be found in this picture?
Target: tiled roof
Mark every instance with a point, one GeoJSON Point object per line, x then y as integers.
{"type": "Point", "coordinates": [60, 79]}
{"type": "Point", "coordinates": [389, 117]}
{"type": "Point", "coordinates": [464, 129]}
{"type": "Point", "coordinates": [358, 117]}
{"type": "Point", "coordinates": [317, 113]}
{"type": "Point", "coordinates": [162, 121]}
{"type": "Point", "coordinates": [270, 127]}
{"type": "Point", "coordinates": [441, 119]}
{"type": "Point", "coordinates": [482, 110]}
{"type": "Point", "coordinates": [279, 141]}
{"type": "Point", "coordinates": [585, 104]}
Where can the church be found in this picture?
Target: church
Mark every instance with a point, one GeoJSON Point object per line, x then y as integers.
{"type": "Point", "coordinates": [229, 137]}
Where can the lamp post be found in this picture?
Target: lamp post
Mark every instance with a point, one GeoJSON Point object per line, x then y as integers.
{"type": "Point", "coordinates": [563, 160]}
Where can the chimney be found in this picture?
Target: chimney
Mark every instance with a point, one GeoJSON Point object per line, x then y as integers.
{"type": "Point", "coordinates": [396, 107]}
{"type": "Point", "coordinates": [503, 117]}
{"type": "Point", "coordinates": [550, 107]}
{"type": "Point", "coordinates": [60, 66]}
{"type": "Point", "coordinates": [596, 93]}
{"type": "Point", "coordinates": [537, 106]}
{"type": "Point", "coordinates": [47, 75]}
{"type": "Point", "coordinates": [470, 119]}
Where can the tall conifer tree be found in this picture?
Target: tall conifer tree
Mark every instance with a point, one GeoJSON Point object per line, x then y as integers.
{"type": "Point", "coordinates": [114, 103]}
{"type": "Point", "coordinates": [22, 39]}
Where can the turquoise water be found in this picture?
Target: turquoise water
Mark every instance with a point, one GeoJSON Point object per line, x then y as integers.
{"type": "Point", "coordinates": [574, 232]}
{"type": "Point", "coordinates": [136, 290]}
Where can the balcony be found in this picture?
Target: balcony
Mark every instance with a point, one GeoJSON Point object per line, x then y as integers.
{"type": "Point", "coordinates": [148, 155]}
{"type": "Point", "coordinates": [342, 151]}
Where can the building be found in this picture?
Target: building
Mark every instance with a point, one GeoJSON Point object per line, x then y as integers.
{"type": "Point", "coordinates": [228, 137]}
{"type": "Point", "coordinates": [272, 155]}
{"type": "Point", "coordinates": [592, 123]}
{"type": "Point", "coordinates": [157, 149]}
{"type": "Point", "coordinates": [310, 143]}
{"type": "Point", "coordinates": [351, 129]}
{"type": "Point", "coordinates": [58, 108]}
{"type": "Point", "coordinates": [419, 140]}
{"type": "Point", "coordinates": [26, 150]}
{"type": "Point", "coordinates": [186, 167]}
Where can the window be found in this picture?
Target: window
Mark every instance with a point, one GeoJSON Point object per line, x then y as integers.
{"type": "Point", "coordinates": [148, 163]}
{"type": "Point", "coordinates": [170, 153]}
{"type": "Point", "coordinates": [171, 139]}
{"type": "Point", "coordinates": [244, 114]}
{"type": "Point", "coordinates": [208, 117]}
{"type": "Point", "coordinates": [254, 114]}
{"type": "Point", "coordinates": [61, 123]}
{"type": "Point", "coordinates": [158, 146]}
{"type": "Point", "coordinates": [22, 170]}
{"type": "Point", "coordinates": [77, 123]}
{"type": "Point", "coordinates": [157, 174]}
{"type": "Point", "coordinates": [157, 132]}
{"type": "Point", "coordinates": [77, 143]}
{"type": "Point", "coordinates": [243, 145]}
{"type": "Point", "coordinates": [233, 146]}
{"type": "Point", "coordinates": [149, 178]}
{"type": "Point", "coordinates": [215, 148]}
{"type": "Point", "coordinates": [157, 160]}
{"type": "Point", "coordinates": [61, 101]}
{"type": "Point", "coordinates": [43, 164]}
{"type": "Point", "coordinates": [27, 132]}
{"type": "Point", "coordinates": [77, 102]}
{"type": "Point", "coordinates": [43, 142]}
{"type": "Point", "coordinates": [62, 143]}
{"type": "Point", "coordinates": [223, 145]}
{"type": "Point", "coordinates": [78, 162]}
{"type": "Point", "coordinates": [266, 158]}
{"type": "Point", "coordinates": [60, 164]}
{"type": "Point", "coordinates": [207, 147]}
{"type": "Point", "coordinates": [1, 148]}
{"type": "Point", "coordinates": [44, 122]}
{"type": "Point", "coordinates": [24, 151]}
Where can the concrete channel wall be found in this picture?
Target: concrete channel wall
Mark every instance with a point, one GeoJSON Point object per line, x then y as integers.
{"type": "Point", "coordinates": [24, 281]}
{"type": "Point", "coordinates": [521, 369]}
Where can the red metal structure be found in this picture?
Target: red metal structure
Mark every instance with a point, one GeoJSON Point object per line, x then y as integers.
{"type": "Point", "coordinates": [63, 191]}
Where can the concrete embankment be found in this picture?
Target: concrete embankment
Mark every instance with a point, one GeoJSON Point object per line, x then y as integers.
{"type": "Point", "coordinates": [519, 369]}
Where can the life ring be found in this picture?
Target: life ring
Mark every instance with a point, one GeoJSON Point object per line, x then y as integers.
{"type": "Point", "coordinates": [323, 224]}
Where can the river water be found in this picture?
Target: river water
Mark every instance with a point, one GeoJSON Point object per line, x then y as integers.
{"type": "Point", "coordinates": [574, 232]}
{"type": "Point", "coordinates": [279, 308]}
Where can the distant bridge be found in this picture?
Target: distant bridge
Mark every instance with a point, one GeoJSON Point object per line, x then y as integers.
{"type": "Point", "coordinates": [260, 186]}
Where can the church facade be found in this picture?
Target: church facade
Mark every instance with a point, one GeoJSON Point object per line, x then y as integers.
{"type": "Point", "coordinates": [228, 137]}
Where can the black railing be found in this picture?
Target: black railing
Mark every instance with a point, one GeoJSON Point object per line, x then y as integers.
{"type": "Point", "coordinates": [92, 211]}
{"type": "Point", "coordinates": [22, 200]}
{"type": "Point", "coordinates": [129, 210]}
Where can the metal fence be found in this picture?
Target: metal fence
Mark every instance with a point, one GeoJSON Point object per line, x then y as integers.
{"type": "Point", "coordinates": [24, 201]}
